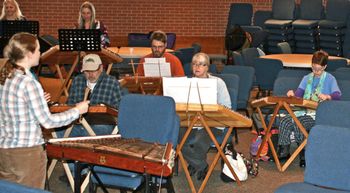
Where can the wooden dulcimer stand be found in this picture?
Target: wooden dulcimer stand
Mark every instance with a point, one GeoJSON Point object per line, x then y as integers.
{"type": "Point", "coordinates": [96, 114]}
{"type": "Point", "coordinates": [54, 56]}
{"type": "Point", "coordinates": [278, 103]}
{"type": "Point", "coordinates": [208, 116]}
{"type": "Point", "coordinates": [143, 85]}
{"type": "Point", "coordinates": [113, 151]}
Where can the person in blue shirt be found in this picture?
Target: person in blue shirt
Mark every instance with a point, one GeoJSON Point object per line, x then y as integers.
{"type": "Point", "coordinates": [317, 86]}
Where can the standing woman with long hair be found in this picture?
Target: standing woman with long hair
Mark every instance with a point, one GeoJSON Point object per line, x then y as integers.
{"type": "Point", "coordinates": [11, 11]}
{"type": "Point", "coordinates": [87, 20]}
{"type": "Point", "coordinates": [23, 109]}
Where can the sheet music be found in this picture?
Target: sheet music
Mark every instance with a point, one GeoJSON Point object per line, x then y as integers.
{"type": "Point", "coordinates": [156, 67]}
{"type": "Point", "coordinates": [179, 89]}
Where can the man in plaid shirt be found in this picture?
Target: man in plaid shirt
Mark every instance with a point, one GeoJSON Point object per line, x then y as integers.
{"type": "Point", "coordinates": [104, 90]}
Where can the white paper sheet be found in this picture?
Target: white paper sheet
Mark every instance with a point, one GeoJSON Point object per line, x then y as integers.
{"type": "Point", "coordinates": [156, 67]}
{"type": "Point", "coordinates": [179, 89]}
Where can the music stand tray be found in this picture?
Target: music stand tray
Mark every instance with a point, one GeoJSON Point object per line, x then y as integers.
{"type": "Point", "coordinates": [79, 39]}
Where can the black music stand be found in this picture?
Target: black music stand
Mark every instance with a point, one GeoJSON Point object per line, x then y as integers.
{"type": "Point", "coordinates": [79, 39]}
{"type": "Point", "coordinates": [9, 28]}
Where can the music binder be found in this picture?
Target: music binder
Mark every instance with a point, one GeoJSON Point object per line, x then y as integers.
{"type": "Point", "coordinates": [191, 90]}
{"type": "Point", "coordinates": [79, 39]}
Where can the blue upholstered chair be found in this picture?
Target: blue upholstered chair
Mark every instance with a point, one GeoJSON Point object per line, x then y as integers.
{"type": "Point", "coordinates": [333, 28]}
{"type": "Point", "coordinates": [327, 152]}
{"type": "Point", "coordinates": [266, 71]}
{"type": "Point", "coordinates": [197, 47]}
{"type": "Point", "coordinates": [344, 86]}
{"type": "Point", "coordinates": [280, 24]}
{"type": "Point", "coordinates": [185, 55]}
{"type": "Point", "coordinates": [212, 69]}
{"type": "Point", "coordinates": [232, 84]}
{"type": "Point", "coordinates": [249, 55]}
{"type": "Point", "coordinates": [333, 64]}
{"type": "Point", "coordinates": [246, 78]}
{"type": "Point", "coordinates": [136, 120]}
{"type": "Point", "coordinates": [139, 40]}
{"type": "Point", "coordinates": [284, 48]}
{"type": "Point", "coordinates": [283, 84]}
{"type": "Point", "coordinates": [10, 187]}
{"type": "Point", "coordinates": [260, 16]}
{"type": "Point", "coordinates": [342, 73]}
{"type": "Point", "coordinates": [306, 26]}
{"type": "Point", "coordinates": [240, 14]}
{"type": "Point", "coordinates": [297, 73]}
{"type": "Point", "coordinates": [171, 40]}
{"type": "Point", "coordinates": [237, 58]}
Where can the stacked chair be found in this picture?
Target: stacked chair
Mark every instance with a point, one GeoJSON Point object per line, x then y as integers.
{"type": "Point", "coordinates": [305, 28]}
{"type": "Point", "coordinates": [333, 28]}
{"type": "Point", "coordinates": [280, 25]}
{"type": "Point", "coordinates": [240, 14]}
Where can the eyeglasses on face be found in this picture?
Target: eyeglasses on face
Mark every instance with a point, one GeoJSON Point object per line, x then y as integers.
{"type": "Point", "coordinates": [199, 64]}
{"type": "Point", "coordinates": [317, 69]}
{"type": "Point", "coordinates": [158, 47]}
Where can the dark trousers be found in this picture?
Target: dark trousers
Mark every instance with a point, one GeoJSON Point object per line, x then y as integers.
{"type": "Point", "coordinates": [197, 145]}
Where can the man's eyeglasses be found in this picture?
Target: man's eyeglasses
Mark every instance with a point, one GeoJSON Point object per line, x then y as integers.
{"type": "Point", "coordinates": [158, 47]}
{"type": "Point", "coordinates": [199, 64]}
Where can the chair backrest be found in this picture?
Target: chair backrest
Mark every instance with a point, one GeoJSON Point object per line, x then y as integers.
{"type": "Point", "coordinates": [237, 58]}
{"type": "Point", "coordinates": [186, 54]}
{"type": "Point", "coordinates": [327, 157]}
{"type": "Point", "coordinates": [344, 86]}
{"type": "Point", "coordinates": [333, 64]}
{"type": "Point", "coordinates": [240, 14]}
{"type": "Point", "coordinates": [342, 73]}
{"type": "Point", "coordinates": [213, 69]}
{"type": "Point", "coordinates": [296, 73]}
{"type": "Point", "coordinates": [337, 10]}
{"type": "Point", "coordinates": [327, 150]}
{"type": "Point", "coordinates": [197, 47]}
{"type": "Point", "coordinates": [343, 69]}
{"type": "Point", "coordinates": [333, 113]}
{"type": "Point", "coordinates": [311, 9]}
{"type": "Point", "coordinates": [246, 78]}
{"type": "Point", "coordinates": [150, 118]}
{"type": "Point", "coordinates": [260, 16]}
{"type": "Point", "coordinates": [283, 84]}
{"type": "Point", "coordinates": [266, 71]}
{"type": "Point", "coordinates": [10, 187]}
{"type": "Point", "coordinates": [232, 84]}
{"type": "Point", "coordinates": [171, 40]}
{"type": "Point", "coordinates": [138, 40]}
{"type": "Point", "coordinates": [249, 55]}
{"type": "Point", "coordinates": [284, 48]}
{"type": "Point", "coordinates": [283, 9]}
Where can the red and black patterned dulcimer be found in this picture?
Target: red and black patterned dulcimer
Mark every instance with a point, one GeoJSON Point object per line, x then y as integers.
{"type": "Point", "coordinates": [113, 151]}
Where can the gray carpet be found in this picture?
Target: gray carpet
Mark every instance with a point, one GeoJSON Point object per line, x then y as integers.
{"type": "Point", "coordinates": [268, 179]}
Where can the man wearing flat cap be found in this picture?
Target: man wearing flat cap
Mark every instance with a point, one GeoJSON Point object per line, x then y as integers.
{"type": "Point", "coordinates": [104, 90]}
